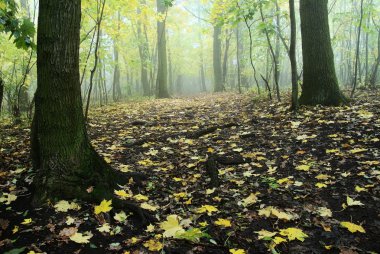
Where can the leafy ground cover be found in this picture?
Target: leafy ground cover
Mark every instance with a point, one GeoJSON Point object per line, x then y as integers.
{"type": "Point", "coordinates": [226, 175]}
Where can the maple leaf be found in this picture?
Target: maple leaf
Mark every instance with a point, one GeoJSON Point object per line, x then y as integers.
{"type": "Point", "coordinates": [352, 227]}
{"type": "Point", "coordinates": [153, 245]}
{"type": "Point", "coordinates": [293, 233]}
{"type": "Point", "coordinates": [351, 202]}
{"type": "Point", "coordinates": [140, 197]}
{"type": "Point", "coordinates": [8, 198]}
{"type": "Point", "coordinates": [270, 210]}
{"type": "Point", "coordinates": [27, 221]}
{"type": "Point", "coordinates": [303, 167]}
{"type": "Point", "coordinates": [265, 234]}
{"type": "Point", "coordinates": [121, 217]}
{"type": "Point", "coordinates": [65, 206]}
{"type": "Point", "coordinates": [149, 207]}
{"type": "Point", "coordinates": [105, 228]}
{"type": "Point", "coordinates": [81, 238]}
{"type": "Point", "coordinates": [209, 209]}
{"type": "Point", "coordinates": [237, 251]}
{"type": "Point", "coordinates": [122, 194]}
{"type": "Point", "coordinates": [150, 228]}
{"type": "Point", "coordinates": [104, 207]}
{"type": "Point", "coordinates": [250, 200]}
{"type": "Point", "coordinates": [277, 240]}
{"type": "Point", "coordinates": [324, 212]}
{"type": "Point", "coordinates": [171, 226]}
{"type": "Point", "coordinates": [223, 223]}
{"type": "Point", "coordinates": [321, 185]}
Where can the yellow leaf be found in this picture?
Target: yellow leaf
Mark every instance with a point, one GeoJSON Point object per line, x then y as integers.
{"type": "Point", "coordinates": [210, 191]}
{"type": "Point", "coordinates": [324, 212]}
{"type": "Point", "coordinates": [351, 202]}
{"type": "Point", "coordinates": [358, 150]}
{"type": "Point", "coordinates": [303, 167]}
{"type": "Point", "coordinates": [293, 233]}
{"type": "Point", "coordinates": [81, 238]}
{"type": "Point", "coordinates": [140, 197]}
{"type": "Point", "coordinates": [153, 245]}
{"type": "Point", "coordinates": [277, 240]}
{"type": "Point", "coordinates": [122, 194]}
{"type": "Point", "coordinates": [27, 221]}
{"type": "Point", "coordinates": [203, 224]}
{"type": "Point", "coordinates": [360, 189]}
{"type": "Point", "coordinates": [15, 229]}
{"type": "Point", "coordinates": [270, 210]}
{"type": "Point", "coordinates": [250, 200]}
{"type": "Point", "coordinates": [104, 207]}
{"type": "Point", "coordinates": [210, 150]}
{"type": "Point", "coordinates": [321, 185]}
{"type": "Point", "coordinates": [322, 177]}
{"type": "Point", "coordinates": [121, 217]}
{"type": "Point", "coordinates": [149, 207]}
{"type": "Point", "coordinates": [209, 209]}
{"type": "Point", "coordinates": [64, 206]}
{"type": "Point", "coordinates": [104, 228]}
{"type": "Point", "coordinates": [150, 228]}
{"type": "Point", "coordinates": [237, 251]}
{"type": "Point", "coordinates": [171, 226]}
{"type": "Point", "coordinates": [7, 198]}
{"type": "Point", "coordinates": [352, 227]}
{"type": "Point", "coordinates": [265, 234]}
{"type": "Point", "coordinates": [223, 223]}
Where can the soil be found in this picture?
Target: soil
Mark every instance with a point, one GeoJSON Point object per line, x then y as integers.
{"type": "Point", "coordinates": [215, 150]}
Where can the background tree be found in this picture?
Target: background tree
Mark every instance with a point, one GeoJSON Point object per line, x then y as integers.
{"type": "Point", "coordinates": [320, 84]}
{"type": "Point", "coordinates": [162, 72]}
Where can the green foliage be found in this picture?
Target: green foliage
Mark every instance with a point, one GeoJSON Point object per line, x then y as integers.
{"type": "Point", "coordinates": [21, 29]}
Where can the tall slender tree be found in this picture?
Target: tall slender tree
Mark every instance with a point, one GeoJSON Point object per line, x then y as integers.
{"type": "Point", "coordinates": [292, 54]}
{"type": "Point", "coordinates": [162, 72]}
{"type": "Point", "coordinates": [65, 162]}
{"type": "Point", "coordinates": [320, 84]}
{"type": "Point", "coordinates": [217, 59]}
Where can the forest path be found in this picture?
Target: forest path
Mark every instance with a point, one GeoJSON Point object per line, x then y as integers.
{"type": "Point", "coordinates": [274, 174]}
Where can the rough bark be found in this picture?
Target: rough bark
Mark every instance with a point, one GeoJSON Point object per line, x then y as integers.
{"type": "Point", "coordinates": [292, 54]}
{"type": "Point", "coordinates": [320, 84]}
{"type": "Point", "coordinates": [162, 72]}
{"type": "Point", "coordinates": [64, 160]}
{"type": "Point", "coordinates": [217, 61]}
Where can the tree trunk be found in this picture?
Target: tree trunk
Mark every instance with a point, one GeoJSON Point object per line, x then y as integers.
{"type": "Point", "coordinates": [357, 57]}
{"type": "Point", "coordinates": [217, 61]}
{"type": "Point", "coordinates": [116, 89]}
{"type": "Point", "coordinates": [225, 59]}
{"type": "Point", "coordinates": [1, 92]}
{"type": "Point", "coordinates": [65, 162]}
{"type": "Point", "coordinates": [171, 85]}
{"type": "Point", "coordinates": [237, 31]}
{"type": "Point", "coordinates": [292, 54]}
{"type": "Point", "coordinates": [162, 72]}
{"type": "Point", "coordinates": [320, 84]}
{"type": "Point", "coordinates": [375, 69]}
{"type": "Point", "coordinates": [144, 55]}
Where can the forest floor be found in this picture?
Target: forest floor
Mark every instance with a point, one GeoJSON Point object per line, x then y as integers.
{"type": "Point", "coordinates": [227, 174]}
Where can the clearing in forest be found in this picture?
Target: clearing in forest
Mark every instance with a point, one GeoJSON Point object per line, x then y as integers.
{"type": "Point", "coordinates": [226, 175]}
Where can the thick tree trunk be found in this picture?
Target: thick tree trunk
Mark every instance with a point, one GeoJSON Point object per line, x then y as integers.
{"type": "Point", "coordinates": [217, 61]}
{"type": "Point", "coordinates": [162, 72]}
{"type": "Point", "coordinates": [171, 85]}
{"type": "Point", "coordinates": [292, 54]}
{"type": "Point", "coordinates": [320, 84]}
{"type": "Point", "coordinates": [65, 162]}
